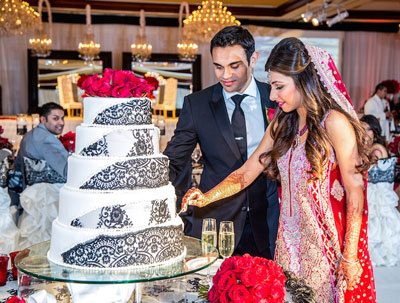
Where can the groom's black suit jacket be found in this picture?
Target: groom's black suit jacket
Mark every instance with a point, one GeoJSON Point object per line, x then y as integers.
{"type": "Point", "coordinates": [204, 120]}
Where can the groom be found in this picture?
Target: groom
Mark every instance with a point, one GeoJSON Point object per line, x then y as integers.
{"type": "Point", "coordinates": [228, 120]}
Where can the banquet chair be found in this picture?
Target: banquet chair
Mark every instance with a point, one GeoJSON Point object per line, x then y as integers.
{"type": "Point", "coordinates": [39, 202]}
{"type": "Point", "coordinates": [66, 94]}
{"type": "Point", "coordinates": [8, 229]}
{"type": "Point", "coordinates": [166, 98]}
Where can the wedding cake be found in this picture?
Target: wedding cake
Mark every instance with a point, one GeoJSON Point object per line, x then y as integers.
{"type": "Point", "coordinates": [117, 209]}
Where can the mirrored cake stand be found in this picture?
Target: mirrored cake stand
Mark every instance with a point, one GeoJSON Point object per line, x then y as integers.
{"type": "Point", "coordinates": [33, 262]}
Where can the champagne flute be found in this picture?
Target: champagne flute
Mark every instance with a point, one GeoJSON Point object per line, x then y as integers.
{"type": "Point", "coordinates": [208, 238]}
{"type": "Point", "coordinates": [208, 235]}
{"type": "Point", "coordinates": [226, 243]}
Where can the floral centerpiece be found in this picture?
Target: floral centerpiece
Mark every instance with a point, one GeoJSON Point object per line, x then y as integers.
{"type": "Point", "coordinates": [393, 86]}
{"type": "Point", "coordinates": [68, 141]}
{"type": "Point", "coordinates": [153, 82]}
{"type": "Point", "coordinates": [116, 84]}
{"type": "Point", "coordinates": [248, 279]}
{"type": "Point", "coordinates": [4, 142]}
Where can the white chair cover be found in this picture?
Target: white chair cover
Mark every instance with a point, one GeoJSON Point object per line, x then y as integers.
{"type": "Point", "coordinates": [8, 229]}
{"type": "Point", "coordinates": [40, 204]}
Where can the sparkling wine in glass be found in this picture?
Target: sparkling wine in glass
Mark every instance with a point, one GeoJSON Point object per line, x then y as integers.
{"type": "Point", "coordinates": [208, 235]}
{"type": "Point", "coordinates": [226, 239]}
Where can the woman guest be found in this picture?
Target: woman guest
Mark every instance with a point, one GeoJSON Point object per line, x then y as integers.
{"type": "Point", "coordinates": [384, 219]}
{"type": "Point", "coordinates": [316, 146]}
{"type": "Point", "coordinates": [376, 141]}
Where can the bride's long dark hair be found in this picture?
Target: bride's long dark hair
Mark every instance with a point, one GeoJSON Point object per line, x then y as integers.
{"type": "Point", "coordinates": [290, 57]}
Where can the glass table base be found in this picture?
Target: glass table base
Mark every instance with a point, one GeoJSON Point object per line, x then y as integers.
{"type": "Point", "coordinates": [33, 262]}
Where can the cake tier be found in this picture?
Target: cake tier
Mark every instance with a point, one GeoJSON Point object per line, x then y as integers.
{"type": "Point", "coordinates": [117, 141]}
{"type": "Point", "coordinates": [116, 248]}
{"type": "Point", "coordinates": [116, 209]}
{"type": "Point", "coordinates": [100, 173]}
{"type": "Point", "coordinates": [117, 111]}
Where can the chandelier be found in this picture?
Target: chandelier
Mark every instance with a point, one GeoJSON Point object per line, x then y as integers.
{"type": "Point", "coordinates": [187, 49]}
{"type": "Point", "coordinates": [88, 49]}
{"type": "Point", "coordinates": [210, 18]}
{"type": "Point", "coordinates": [17, 17]}
{"type": "Point", "coordinates": [141, 49]}
{"type": "Point", "coordinates": [41, 43]}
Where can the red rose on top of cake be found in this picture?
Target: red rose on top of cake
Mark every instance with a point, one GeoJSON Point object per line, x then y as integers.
{"type": "Point", "coordinates": [116, 84]}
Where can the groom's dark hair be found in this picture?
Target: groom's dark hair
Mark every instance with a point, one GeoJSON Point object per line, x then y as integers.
{"type": "Point", "coordinates": [234, 35]}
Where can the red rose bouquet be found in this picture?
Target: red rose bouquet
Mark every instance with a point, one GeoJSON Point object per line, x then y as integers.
{"type": "Point", "coordinates": [68, 141]}
{"type": "Point", "coordinates": [116, 84]}
{"type": "Point", "coordinates": [247, 279]}
{"type": "Point", "coordinates": [15, 299]}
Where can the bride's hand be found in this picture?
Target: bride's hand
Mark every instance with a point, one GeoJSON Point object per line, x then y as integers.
{"type": "Point", "coordinates": [193, 196]}
{"type": "Point", "coordinates": [351, 272]}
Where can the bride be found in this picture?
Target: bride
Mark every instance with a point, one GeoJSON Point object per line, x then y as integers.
{"type": "Point", "coordinates": [316, 146]}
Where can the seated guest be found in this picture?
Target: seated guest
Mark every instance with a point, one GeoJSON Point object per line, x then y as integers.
{"type": "Point", "coordinates": [383, 217]}
{"type": "Point", "coordinates": [42, 145]}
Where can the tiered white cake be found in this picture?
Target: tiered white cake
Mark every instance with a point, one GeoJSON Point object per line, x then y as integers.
{"type": "Point", "coordinates": [117, 208]}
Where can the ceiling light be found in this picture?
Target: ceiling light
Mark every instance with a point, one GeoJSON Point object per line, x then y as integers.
{"type": "Point", "coordinates": [307, 16]}
{"type": "Point", "coordinates": [321, 17]}
{"type": "Point", "coordinates": [208, 19]}
{"type": "Point", "coordinates": [338, 18]}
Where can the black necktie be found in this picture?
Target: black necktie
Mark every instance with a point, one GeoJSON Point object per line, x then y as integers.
{"type": "Point", "coordinates": [239, 125]}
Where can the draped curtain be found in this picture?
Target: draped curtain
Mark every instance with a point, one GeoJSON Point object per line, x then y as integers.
{"type": "Point", "coordinates": [368, 57]}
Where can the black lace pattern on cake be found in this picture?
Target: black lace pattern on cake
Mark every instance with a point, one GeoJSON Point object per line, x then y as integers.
{"type": "Point", "coordinates": [143, 145]}
{"type": "Point", "coordinates": [159, 212]}
{"type": "Point", "coordinates": [38, 171]}
{"type": "Point", "coordinates": [114, 217]}
{"type": "Point", "coordinates": [136, 111]}
{"type": "Point", "coordinates": [98, 148]}
{"type": "Point", "coordinates": [131, 174]}
{"type": "Point", "coordinates": [4, 173]}
{"type": "Point", "coordinates": [145, 247]}
{"type": "Point", "coordinates": [76, 223]}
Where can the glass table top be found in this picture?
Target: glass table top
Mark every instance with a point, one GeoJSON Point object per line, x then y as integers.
{"type": "Point", "coordinates": [33, 261]}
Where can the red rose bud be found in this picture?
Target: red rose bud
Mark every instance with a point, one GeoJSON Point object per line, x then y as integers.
{"type": "Point", "coordinates": [227, 280]}
{"type": "Point", "coordinates": [239, 294]}
{"type": "Point", "coordinates": [248, 277]}
{"type": "Point", "coordinates": [213, 295]}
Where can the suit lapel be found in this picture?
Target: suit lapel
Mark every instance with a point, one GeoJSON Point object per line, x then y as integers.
{"type": "Point", "coordinates": [218, 108]}
{"type": "Point", "coordinates": [265, 101]}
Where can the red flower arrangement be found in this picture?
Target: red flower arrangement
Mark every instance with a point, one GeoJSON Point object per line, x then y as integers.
{"type": "Point", "coordinates": [4, 143]}
{"type": "Point", "coordinates": [393, 86]}
{"type": "Point", "coordinates": [113, 83]}
{"type": "Point", "coordinates": [68, 141]}
{"type": "Point", "coordinates": [393, 146]}
{"type": "Point", "coordinates": [247, 279]}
